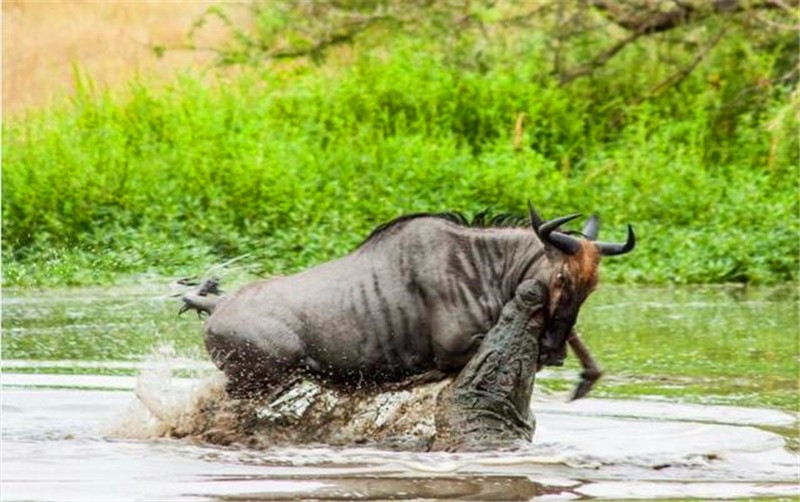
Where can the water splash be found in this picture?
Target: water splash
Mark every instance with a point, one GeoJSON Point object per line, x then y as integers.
{"type": "Point", "coordinates": [676, 440]}
{"type": "Point", "coordinates": [304, 412]}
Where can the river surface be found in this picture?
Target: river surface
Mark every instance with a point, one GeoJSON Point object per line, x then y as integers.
{"type": "Point", "coordinates": [696, 404]}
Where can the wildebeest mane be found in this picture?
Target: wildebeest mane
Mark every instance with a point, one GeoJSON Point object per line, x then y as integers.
{"type": "Point", "coordinates": [482, 219]}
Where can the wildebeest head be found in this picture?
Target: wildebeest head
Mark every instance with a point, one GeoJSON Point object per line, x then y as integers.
{"type": "Point", "coordinates": [571, 275]}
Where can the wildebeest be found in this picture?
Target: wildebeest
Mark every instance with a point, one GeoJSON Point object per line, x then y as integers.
{"type": "Point", "coordinates": [417, 296]}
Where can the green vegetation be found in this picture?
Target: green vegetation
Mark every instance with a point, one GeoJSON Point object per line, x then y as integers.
{"type": "Point", "coordinates": [292, 162]}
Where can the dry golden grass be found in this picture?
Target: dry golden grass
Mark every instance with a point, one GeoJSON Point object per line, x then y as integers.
{"type": "Point", "coordinates": [110, 40]}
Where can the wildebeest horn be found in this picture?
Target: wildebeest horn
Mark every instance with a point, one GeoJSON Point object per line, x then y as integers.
{"type": "Point", "coordinates": [611, 249]}
{"type": "Point", "coordinates": [544, 230]}
{"type": "Point", "coordinates": [591, 228]}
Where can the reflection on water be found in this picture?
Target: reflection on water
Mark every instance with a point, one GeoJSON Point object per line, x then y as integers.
{"type": "Point", "coordinates": [72, 428]}
{"type": "Point", "coordinates": [739, 345]}
{"type": "Point", "coordinates": [66, 444]}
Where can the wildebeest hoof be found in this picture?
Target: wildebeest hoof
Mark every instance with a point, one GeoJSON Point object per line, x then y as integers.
{"type": "Point", "coordinates": [204, 299]}
{"type": "Point", "coordinates": [200, 304]}
{"type": "Point", "coordinates": [588, 379]}
{"type": "Point", "coordinates": [209, 286]}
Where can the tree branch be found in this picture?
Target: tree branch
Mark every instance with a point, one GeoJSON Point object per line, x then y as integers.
{"type": "Point", "coordinates": [357, 26]}
{"type": "Point", "coordinates": [655, 21]}
{"type": "Point", "coordinates": [650, 21]}
{"type": "Point", "coordinates": [599, 60]}
{"type": "Point", "coordinates": [680, 75]}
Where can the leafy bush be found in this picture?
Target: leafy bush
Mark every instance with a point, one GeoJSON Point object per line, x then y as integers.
{"type": "Point", "coordinates": [294, 163]}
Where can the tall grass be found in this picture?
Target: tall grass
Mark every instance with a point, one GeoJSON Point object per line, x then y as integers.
{"type": "Point", "coordinates": [43, 39]}
{"type": "Point", "coordinates": [295, 164]}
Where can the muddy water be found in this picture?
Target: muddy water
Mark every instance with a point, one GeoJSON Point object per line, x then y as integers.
{"type": "Point", "coordinates": [73, 428]}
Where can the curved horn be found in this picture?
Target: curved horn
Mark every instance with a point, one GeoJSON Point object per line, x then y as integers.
{"type": "Point", "coordinates": [562, 242]}
{"type": "Point", "coordinates": [591, 228]}
{"type": "Point", "coordinates": [611, 249]}
{"type": "Point", "coordinates": [553, 224]}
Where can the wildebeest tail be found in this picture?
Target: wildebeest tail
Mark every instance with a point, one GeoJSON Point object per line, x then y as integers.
{"type": "Point", "coordinates": [204, 300]}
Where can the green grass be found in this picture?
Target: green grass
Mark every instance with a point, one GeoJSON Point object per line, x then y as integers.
{"type": "Point", "coordinates": [293, 165]}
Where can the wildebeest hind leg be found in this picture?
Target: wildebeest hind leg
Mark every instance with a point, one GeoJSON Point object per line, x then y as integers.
{"type": "Point", "coordinates": [254, 365]}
